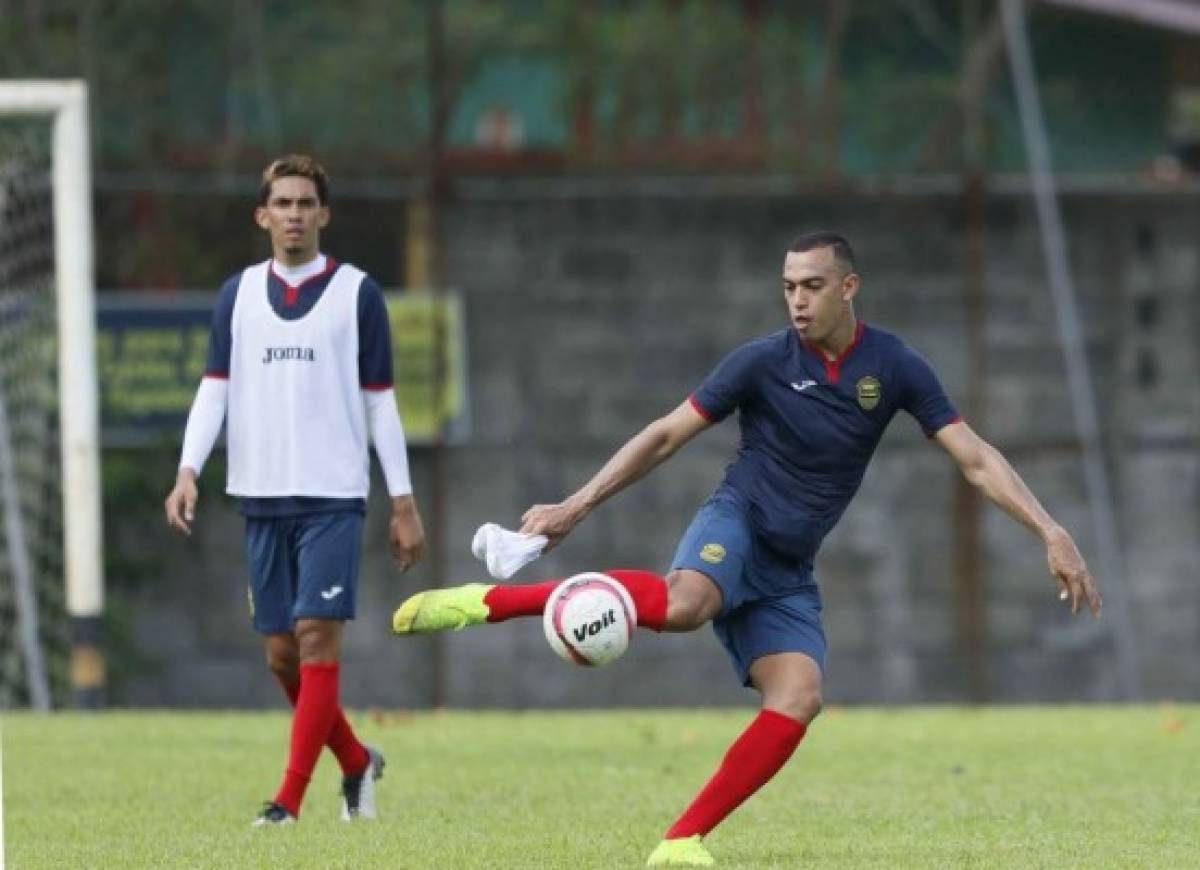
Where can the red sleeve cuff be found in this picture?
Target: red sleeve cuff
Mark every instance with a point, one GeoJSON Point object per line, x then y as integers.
{"type": "Point", "coordinates": [950, 422]}
{"type": "Point", "coordinates": [700, 409]}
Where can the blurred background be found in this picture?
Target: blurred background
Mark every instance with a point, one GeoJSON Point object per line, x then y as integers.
{"type": "Point", "coordinates": [579, 208]}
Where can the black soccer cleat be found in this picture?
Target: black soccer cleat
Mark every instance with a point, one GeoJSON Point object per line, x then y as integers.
{"type": "Point", "coordinates": [273, 814]}
{"type": "Point", "coordinates": [358, 792]}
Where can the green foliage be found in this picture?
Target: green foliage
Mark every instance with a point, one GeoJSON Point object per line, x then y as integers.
{"type": "Point", "coordinates": [908, 788]}
{"type": "Point", "coordinates": [135, 483]}
{"type": "Point", "coordinates": [223, 84]}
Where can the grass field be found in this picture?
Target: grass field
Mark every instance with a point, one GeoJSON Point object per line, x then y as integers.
{"type": "Point", "coordinates": [922, 788]}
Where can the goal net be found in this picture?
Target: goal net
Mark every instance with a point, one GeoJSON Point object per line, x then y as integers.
{"type": "Point", "coordinates": [47, 443]}
{"type": "Point", "coordinates": [32, 627]}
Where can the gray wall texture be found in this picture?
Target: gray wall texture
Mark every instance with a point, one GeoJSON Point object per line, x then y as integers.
{"type": "Point", "coordinates": [595, 308]}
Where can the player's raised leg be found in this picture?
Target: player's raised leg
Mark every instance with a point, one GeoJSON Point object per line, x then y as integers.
{"type": "Point", "coordinates": [790, 684]}
{"type": "Point", "coordinates": [459, 607]}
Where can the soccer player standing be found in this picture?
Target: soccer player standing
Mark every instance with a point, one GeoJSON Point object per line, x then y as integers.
{"type": "Point", "coordinates": [813, 400]}
{"type": "Point", "coordinates": [300, 361]}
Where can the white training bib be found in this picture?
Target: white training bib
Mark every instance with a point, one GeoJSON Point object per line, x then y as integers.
{"type": "Point", "coordinates": [297, 425]}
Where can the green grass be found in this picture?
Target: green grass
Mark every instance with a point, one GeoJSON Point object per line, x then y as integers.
{"type": "Point", "coordinates": [910, 787]}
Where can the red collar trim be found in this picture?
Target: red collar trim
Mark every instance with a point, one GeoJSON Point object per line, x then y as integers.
{"type": "Point", "coordinates": [291, 292]}
{"type": "Point", "coordinates": [833, 367]}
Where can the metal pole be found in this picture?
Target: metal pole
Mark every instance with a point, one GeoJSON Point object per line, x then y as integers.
{"type": "Point", "coordinates": [968, 503]}
{"type": "Point", "coordinates": [1054, 247]}
{"type": "Point", "coordinates": [435, 195]}
{"type": "Point", "coordinates": [968, 513]}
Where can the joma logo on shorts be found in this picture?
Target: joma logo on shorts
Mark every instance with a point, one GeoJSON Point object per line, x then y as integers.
{"type": "Point", "coordinates": [592, 629]}
{"type": "Point", "coordinates": [278, 354]}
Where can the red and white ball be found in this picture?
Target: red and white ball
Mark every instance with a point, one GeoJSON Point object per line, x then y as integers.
{"type": "Point", "coordinates": [589, 619]}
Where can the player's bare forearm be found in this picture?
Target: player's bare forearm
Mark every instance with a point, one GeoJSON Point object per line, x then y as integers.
{"type": "Point", "coordinates": [1003, 486]}
{"type": "Point", "coordinates": [637, 457]}
{"type": "Point", "coordinates": [999, 481]}
{"type": "Point", "coordinates": [985, 467]}
{"type": "Point", "coordinates": [634, 460]}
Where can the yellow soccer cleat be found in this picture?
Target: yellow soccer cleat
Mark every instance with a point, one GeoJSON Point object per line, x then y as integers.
{"type": "Point", "coordinates": [442, 610]}
{"type": "Point", "coordinates": [683, 852]}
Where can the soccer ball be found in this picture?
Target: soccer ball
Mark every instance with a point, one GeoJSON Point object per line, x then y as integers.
{"type": "Point", "coordinates": [589, 619]}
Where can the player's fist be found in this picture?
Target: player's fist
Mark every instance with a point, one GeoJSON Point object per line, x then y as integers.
{"type": "Point", "coordinates": [181, 502]}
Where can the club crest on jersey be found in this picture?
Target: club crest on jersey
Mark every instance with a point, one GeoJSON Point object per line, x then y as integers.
{"type": "Point", "coordinates": [278, 354]}
{"type": "Point", "coordinates": [870, 391]}
{"type": "Point", "coordinates": [712, 553]}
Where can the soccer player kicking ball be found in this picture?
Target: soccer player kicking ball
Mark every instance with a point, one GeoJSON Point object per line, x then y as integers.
{"type": "Point", "coordinates": [814, 400]}
{"type": "Point", "coordinates": [300, 358]}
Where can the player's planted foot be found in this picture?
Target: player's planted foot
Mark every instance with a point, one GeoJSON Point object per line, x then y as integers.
{"type": "Point", "coordinates": [273, 814]}
{"type": "Point", "coordinates": [358, 792]}
{"type": "Point", "coordinates": [442, 610]}
{"type": "Point", "coordinates": [682, 852]}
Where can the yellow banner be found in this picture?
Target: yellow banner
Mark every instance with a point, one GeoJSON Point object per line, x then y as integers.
{"type": "Point", "coordinates": [430, 374]}
{"type": "Point", "coordinates": [151, 354]}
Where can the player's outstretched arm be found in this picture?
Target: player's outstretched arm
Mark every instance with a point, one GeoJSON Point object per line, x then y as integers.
{"type": "Point", "coordinates": [639, 455]}
{"type": "Point", "coordinates": [985, 467]}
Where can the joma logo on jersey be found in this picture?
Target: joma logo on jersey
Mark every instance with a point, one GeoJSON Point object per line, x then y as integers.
{"type": "Point", "coordinates": [278, 354]}
{"type": "Point", "coordinates": [592, 629]}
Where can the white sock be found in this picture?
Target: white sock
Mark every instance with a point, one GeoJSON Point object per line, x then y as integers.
{"type": "Point", "coordinates": [504, 552]}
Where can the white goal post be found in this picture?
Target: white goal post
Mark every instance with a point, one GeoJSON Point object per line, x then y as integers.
{"type": "Point", "coordinates": [64, 103]}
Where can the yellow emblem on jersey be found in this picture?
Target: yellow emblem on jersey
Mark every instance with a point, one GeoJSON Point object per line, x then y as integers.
{"type": "Point", "coordinates": [870, 391]}
{"type": "Point", "coordinates": [712, 553]}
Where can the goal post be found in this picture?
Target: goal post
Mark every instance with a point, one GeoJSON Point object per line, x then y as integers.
{"type": "Point", "coordinates": [64, 105]}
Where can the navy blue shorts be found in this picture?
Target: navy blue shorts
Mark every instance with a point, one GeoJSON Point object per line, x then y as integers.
{"type": "Point", "coordinates": [302, 567]}
{"type": "Point", "coordinates": [768, 605]}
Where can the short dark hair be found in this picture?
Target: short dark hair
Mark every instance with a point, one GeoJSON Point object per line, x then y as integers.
{"type": "Point", "coordinates": [842, 251]}
{"type": "Point", "coordinates": [295, 165]}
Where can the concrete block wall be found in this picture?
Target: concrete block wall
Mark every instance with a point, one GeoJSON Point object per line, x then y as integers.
{"type": "Point", "coordinates": [592, 310]}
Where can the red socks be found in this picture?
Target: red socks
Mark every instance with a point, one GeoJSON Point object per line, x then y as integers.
{"type": "Point", "coordinates": [755, 757]}
{"type": "Point", "coordinates": [312, 724]}
{"type": "Point", "coordinates": [508, 602]}
{"type": "Point", "coordinates": [351, 755]}
{"type": "Point", "coordinates": [647, 589]}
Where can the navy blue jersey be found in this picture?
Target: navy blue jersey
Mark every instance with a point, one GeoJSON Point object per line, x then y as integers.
{"type": "Point", "coordinates": [292, 302]}
{"type": "Point", "coordinates": [809, 426]}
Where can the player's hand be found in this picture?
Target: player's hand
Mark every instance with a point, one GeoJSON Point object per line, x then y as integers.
{"type": "Point", "coordinates": [1071, 573]}
{"type": "Point", "coordinates": [181, 503]}
{"type": "Point", "coordinates": [406, 534]}
{"type": "Point", "coordinates": [555, 521]}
